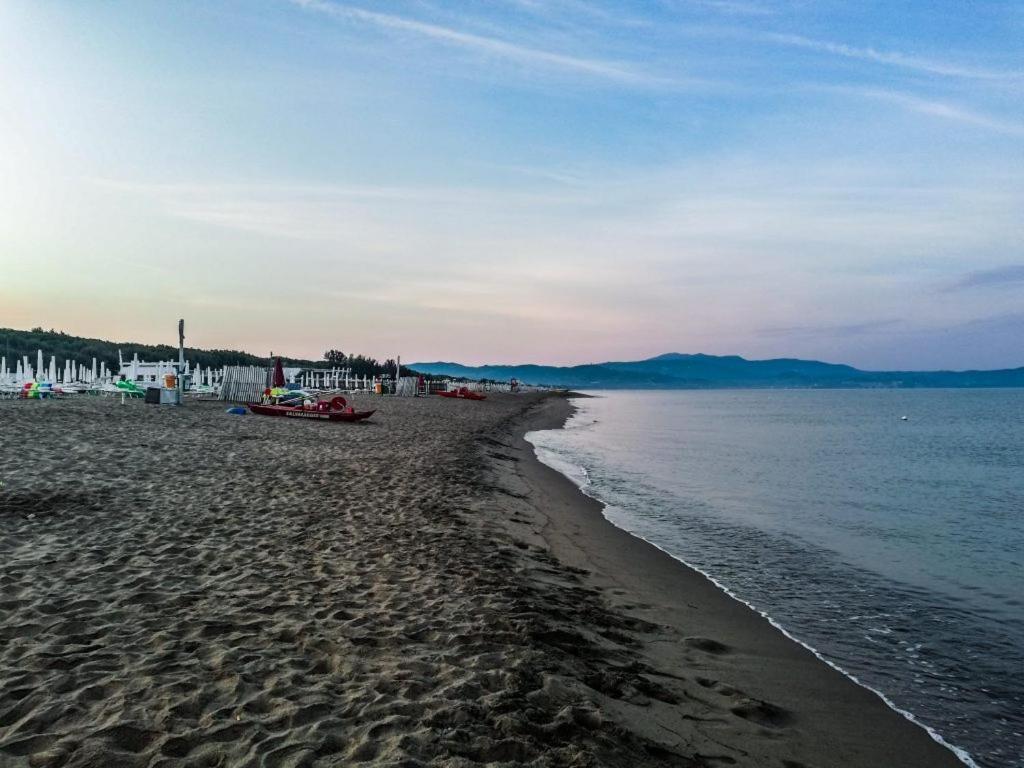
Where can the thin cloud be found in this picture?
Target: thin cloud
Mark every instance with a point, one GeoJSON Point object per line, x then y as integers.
{"type": "Point", "coordinates": [989, 278]}
{"type": "Point", "coordinates": [318, 193]}
{"type": "Point", "coordinates": [890, 58]}
{"type": "Point", "coordinates": [738, 7]}
{"type": "Point", "coordinates": [579, 7]}
{"type": "Point", "coordinates": [933, 108]}
{"type": "Point", "coordinates": [598, 68]}
{"type": "Point", "coordinates": [843, 330]}
{"type": "Point", "coordinates": [724, 7]}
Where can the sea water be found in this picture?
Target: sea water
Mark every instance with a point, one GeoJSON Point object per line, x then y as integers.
{"type": "Point", "coordinates": [892, 546]}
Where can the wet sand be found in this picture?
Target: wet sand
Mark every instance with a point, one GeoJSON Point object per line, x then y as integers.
{"type": "Point", "coordinates": [181, 587]}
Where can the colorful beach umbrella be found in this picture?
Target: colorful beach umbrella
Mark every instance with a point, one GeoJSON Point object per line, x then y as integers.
{"type": "Point", "coordinates": [278, 379]}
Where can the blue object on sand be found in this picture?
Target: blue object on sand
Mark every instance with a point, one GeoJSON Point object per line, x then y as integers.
{"type": "Point", "coordinates": [237, 411]}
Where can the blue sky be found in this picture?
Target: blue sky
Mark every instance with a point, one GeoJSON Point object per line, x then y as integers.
{"type": "Point", "coordinates": [554, 181]}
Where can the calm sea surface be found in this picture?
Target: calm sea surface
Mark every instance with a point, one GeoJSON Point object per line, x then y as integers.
{"type": "Point", "coordinates": [894, 548]}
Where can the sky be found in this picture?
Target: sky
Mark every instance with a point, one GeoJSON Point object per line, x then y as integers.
{"type": "Point", "coordinates": [509, 181]}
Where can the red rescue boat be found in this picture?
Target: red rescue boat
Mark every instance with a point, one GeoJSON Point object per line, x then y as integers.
{"type": "Point", "coordinates": [335, 410]}
{"type": "Point", "coordinates": [465, 393]}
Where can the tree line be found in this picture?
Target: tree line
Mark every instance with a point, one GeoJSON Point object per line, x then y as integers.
{"type": "Point", "coordinates": [362, 365]}
{"type": "Point", "coordinates": [15, 344]}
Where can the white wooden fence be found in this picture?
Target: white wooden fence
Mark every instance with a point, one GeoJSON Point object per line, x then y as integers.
{"type": "Point", "coordinates": [244, 383]}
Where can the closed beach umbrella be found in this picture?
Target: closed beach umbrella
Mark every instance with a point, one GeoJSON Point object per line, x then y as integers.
{"type": "Point", "coordinates": [278, 380]}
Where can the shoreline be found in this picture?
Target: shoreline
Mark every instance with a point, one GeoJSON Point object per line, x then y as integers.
{"type": "Point", "coordinates": [857, 720]}
{"type": "Point", "coordinates": [961, 754]}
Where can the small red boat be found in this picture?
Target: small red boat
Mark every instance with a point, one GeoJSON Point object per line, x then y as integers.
{"type": "Point", "coordinates": [335, 410]}
{"type": "Point", "coordinates": [465, 393]}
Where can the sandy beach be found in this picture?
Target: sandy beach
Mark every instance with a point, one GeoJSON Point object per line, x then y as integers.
{"type": "Point", "coordinates": [182, 587]}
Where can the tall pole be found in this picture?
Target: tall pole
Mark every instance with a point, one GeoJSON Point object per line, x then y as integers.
{"type": "Point", "coordinates": [181, 361]}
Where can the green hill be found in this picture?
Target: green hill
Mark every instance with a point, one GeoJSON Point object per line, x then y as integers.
{"type": "Point", "coordinates": [15, 344]}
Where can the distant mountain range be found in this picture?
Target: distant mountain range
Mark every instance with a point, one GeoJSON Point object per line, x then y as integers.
{"type": "Point", "coordinates": [679, 371]}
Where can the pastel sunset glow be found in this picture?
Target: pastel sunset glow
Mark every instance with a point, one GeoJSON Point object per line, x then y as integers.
{"type": "Point", "coordinates": [549, 181]}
